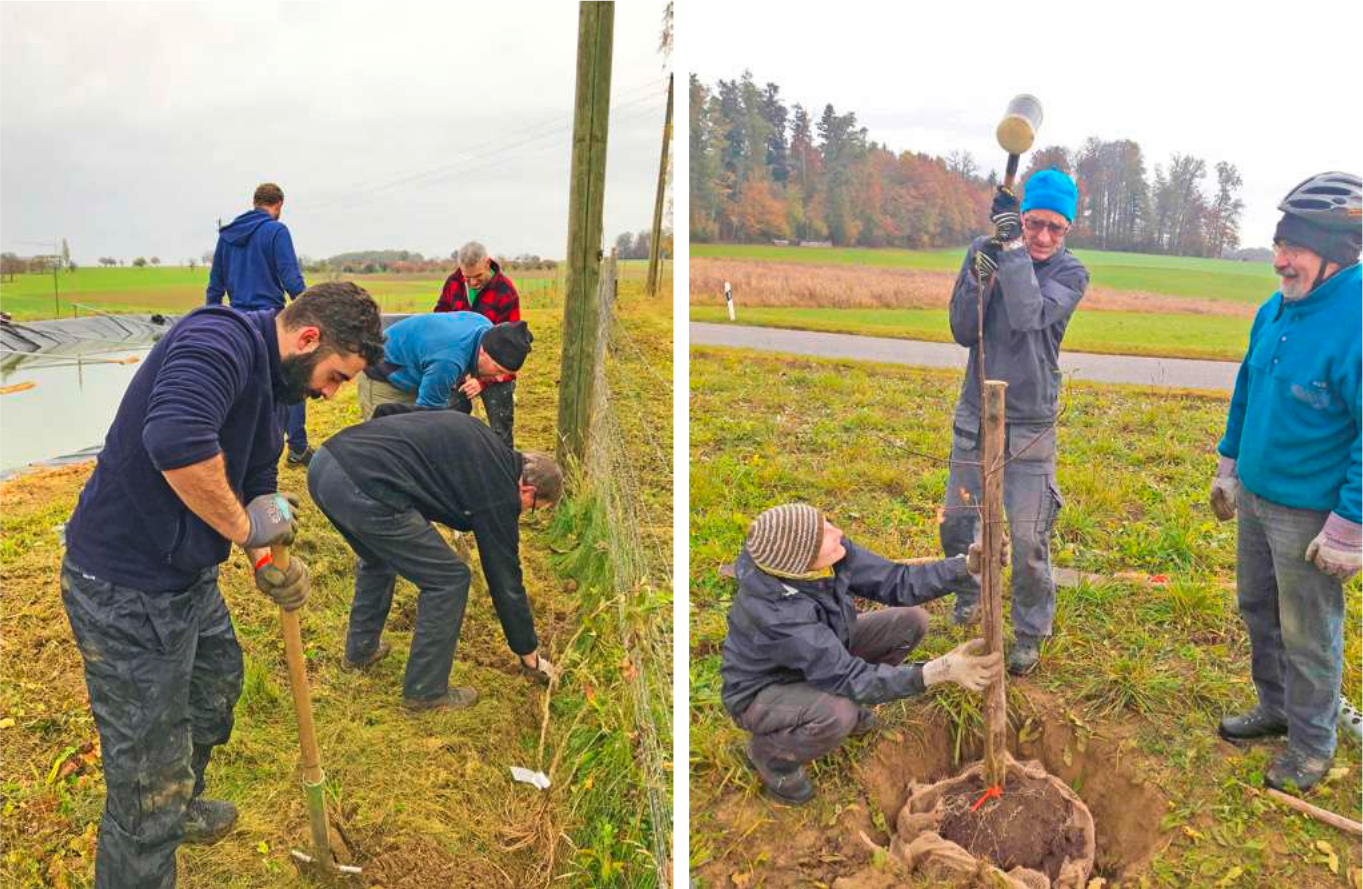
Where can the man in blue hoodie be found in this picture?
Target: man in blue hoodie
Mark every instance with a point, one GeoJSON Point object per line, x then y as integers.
{"type": "Point", "coordinates": [255, 265]}
{"type": "Point", "coordinates": [1290, 469]}
{"type": "Point", "coordinates": [187, 471]}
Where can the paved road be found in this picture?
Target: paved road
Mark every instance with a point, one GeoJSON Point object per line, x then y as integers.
{"type": "Point", "coordinates": [1180, 373]}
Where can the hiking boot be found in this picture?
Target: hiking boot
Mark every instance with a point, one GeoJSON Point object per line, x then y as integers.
{"type": "Point", "coordinates": [208, 820]}
{"type": "Point", "coordinates": [1249, 726]}
{"type": "Point", "coordinates": [965, 613]}
{"type": "Point", "coordinates": [1296, 769]}
{"type": "Point", "coordinates": [378, 654]}
{"type": "Point", "coordinates": [301, 458]}
{"type": "Point", "coordinates": [867, 722]}
{"type": "Point", "coordinates": [454, 699]}
{"type": "Point", "coordinates": [1024, 656]}
{"type": "Point", "coordinates": [784, 781]}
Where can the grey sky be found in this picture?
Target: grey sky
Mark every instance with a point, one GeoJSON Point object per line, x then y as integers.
{"type": "Point", "coordinates": [1274, 92]}
{"type": "Point", "coordinates": [131, 128]}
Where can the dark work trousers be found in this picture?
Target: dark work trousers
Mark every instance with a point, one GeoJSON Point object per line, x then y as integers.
{"type": "Point", "coordinates": [164, 672]}
{"type": "Point", "coordinates": [293, 420]}
{"type": "Point", "coordinates": [388, 542]}
{"type": "Point", "coordinates": [1294, 613]}
{"type": "Point", "coordinates": [796, 722]}
{"type": "Point", "coordinates": [1031, 502]}
{"type": "Point", "coordinates": [499, 403]}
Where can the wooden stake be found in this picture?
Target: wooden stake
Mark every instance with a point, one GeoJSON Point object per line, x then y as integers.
{"type": "Point", "coordinates": [581, 314]}
{"type": "Point", "coordinates": [991, 593]}
{"type": "Point", "coordinates": [1316, 812]}
{"type": "Point", "coordinates": [655, 247]}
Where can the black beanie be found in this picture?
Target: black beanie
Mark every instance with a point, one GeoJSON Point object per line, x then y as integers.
{"type": "Point", "coordinates": [508, 344]}
{"type": "Point", "coordinates": [1333, 245]}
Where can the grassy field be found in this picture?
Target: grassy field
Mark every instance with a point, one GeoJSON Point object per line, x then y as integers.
{"type": "Point", "coordinates": [1125, 704]}
{"type": "Point", "coordinates": [428, 799]}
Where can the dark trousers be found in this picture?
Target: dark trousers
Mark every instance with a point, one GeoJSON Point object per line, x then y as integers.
{"type": "Point", "coordinates": [164, 672]}
{"type": "Point", "coordinates": [797, 722]}
{"type": "Point", "coordinates": [499, 403]}
{"type": "Point", "coordinates": [388, 542]}
{"type": "Point", "coordinates": [293, 420]}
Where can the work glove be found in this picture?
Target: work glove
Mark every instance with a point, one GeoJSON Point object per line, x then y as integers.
{"type": "Point", "coordinates": [974, 557]}
{"type": "Point", "coordinates": [274, 519]}
{"type": "Point", "coordinates": [289, 589]}
{"type": "Point", "coordinates": [966, 665]}
{"type": "Point", "coordinates": [987, 259]}
{"type": "Point", "coordinates": [1004, 214]}
{"type": "Point", "coordinates": [1223, 490]}
{"type": "Point", "coordinates": [542, 672]}
{"type": "Point", "coordinates": [1336, 549]}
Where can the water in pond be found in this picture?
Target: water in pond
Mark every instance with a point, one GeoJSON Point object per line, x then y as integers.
{"type": "Point", "coordinates": [69, 408]}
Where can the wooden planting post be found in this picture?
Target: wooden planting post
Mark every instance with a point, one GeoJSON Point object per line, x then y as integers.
{"type": "Point", "coordinates": [992, 454]}
{"type": "Point", "coordinates": [655, 247]}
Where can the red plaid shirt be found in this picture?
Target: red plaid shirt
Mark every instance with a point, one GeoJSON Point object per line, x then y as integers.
{"type": "Point", "coordinates": [498, 302]}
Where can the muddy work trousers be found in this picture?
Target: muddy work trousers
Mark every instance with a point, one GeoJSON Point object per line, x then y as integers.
{"type": "Point", "coordinates": [388, 542]}
{"type": "Point", "coordinates": [499, 403]}
{"type": "Point", "coordinates": [1294, 613]}
{"type": "Point", "coordinates": [796, 722]}
{"type": "Point", "coordinates": [1031, 502]}
{"type": "Point", "coordinates": [164, 672]}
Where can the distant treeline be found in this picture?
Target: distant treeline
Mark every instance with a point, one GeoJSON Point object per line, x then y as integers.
{"type": "Point", "coordinates": [762, 171]}
{"type": "Point", "coordinates": [410, 262]}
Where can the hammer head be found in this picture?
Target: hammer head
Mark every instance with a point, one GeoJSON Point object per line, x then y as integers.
{"type": "Point", "coordinates": [327, 873]}
{"type": "Point", "coordinates": [1017, 130]}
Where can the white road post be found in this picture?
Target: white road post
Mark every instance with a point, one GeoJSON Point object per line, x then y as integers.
{"type": "Point", "coordinates": [729, 300]}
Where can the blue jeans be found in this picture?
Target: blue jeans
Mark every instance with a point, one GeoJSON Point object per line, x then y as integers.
{"type": "Point", "coordinates": [164, 672]}
{"type": "Point", "coordinates": [1031, 502]}
{"type": "Point", "coordinates": [293, 419]}
{"type": "Point", "coordinates": [1294, 613]}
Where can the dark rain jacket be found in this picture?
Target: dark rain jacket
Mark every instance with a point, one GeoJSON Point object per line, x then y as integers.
{"type": "Point", "coordinates": [783, 631]}
{"type": "Point", "coordinates": [254, 264]}
{"type": "Point", "coordinates": [1025, 317]}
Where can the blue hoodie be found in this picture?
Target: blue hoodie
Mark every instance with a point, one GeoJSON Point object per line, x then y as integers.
{"type": "Point", "coordinates": [1294, 423]}
{"type": "Point", "coordinates": [254, 264]}
{"type": "Point", "coordinates": [432, 352]}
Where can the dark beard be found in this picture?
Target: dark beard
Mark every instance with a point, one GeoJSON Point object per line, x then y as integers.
{"type": "Point", "coordinates": [298, 377]}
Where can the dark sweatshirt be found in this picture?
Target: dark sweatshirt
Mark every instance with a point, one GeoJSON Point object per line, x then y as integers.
{"type": "Point", "coordinates": [208, 387]}
{"type": "Point", "coordinates": [254, 264]}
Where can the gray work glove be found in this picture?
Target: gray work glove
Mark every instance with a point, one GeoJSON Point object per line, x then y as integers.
{"type": "Point", "coordinates": [1003, 212]}
{"type": "Point", "coordinates": [1336, 549]}
{"type": "Point", "coordinates": [974, 557]}
{"type": "Point", "coordinates": [966, 665]}
{"type": "Point", "coordinates": [987, 259]}
{"type": "Point", "coordinates": [274, 519]}
{"type": "Point", "coordinates": [1223, 490]}
{"type": "Point", "coordinates": [289, 589]}
{"type": "Point", "coordinates": [542, 672]}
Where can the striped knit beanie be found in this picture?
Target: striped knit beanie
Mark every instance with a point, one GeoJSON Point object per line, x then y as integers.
{"type": "Point", "coordinates": [785, 539]}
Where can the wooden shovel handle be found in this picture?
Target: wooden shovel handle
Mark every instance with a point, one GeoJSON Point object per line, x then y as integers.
{"type": "Point", "coordinates": [298, 680]}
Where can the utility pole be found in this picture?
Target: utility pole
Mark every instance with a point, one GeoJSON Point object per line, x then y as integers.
{"type": "Point", "coordinates": [581, 305]}
{"type": "Point", "coordinates": [655, 247]}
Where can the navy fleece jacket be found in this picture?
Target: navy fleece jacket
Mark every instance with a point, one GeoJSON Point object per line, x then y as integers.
{"type": "Point", "coordinates": [209, 387]}
{"type": "Point", "coordinates": [254, 264]}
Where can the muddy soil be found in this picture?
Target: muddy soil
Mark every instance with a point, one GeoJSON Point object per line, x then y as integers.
{"type": "Point", "coordinates": [1029, 825]}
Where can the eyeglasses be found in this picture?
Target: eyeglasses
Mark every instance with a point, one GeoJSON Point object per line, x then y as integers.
{"type": "Point", "coordinates": [1037, 226]}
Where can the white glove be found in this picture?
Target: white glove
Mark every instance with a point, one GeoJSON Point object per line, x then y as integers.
{"type": "Point", "coordinates": [966, 665]}
{"type": "Point", "coordinates": [974, 557]}
{"type": "Point", "coordinates": [1336, 550]}
{"type": "Point", "coordinates": [1223, 490]}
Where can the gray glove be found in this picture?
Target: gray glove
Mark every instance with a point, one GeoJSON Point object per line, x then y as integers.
{"type": "Point", "coordinates": [1224, 485]}
{"type": "Point", "coordinates": [1335, 550]}
{"type": "Point", "coordinates": [274, 519]}
{"type": "Point", "coordinates": [966, 665]}
{"type": "Point", "coordinates": [289, 589]}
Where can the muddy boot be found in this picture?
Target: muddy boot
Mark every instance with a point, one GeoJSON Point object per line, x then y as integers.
{"type": "Point", "coordinates": [1295, 769]}
{"type": "Point", "coordinates": [379, 653]}
{"type": "Point", "coordinates": [965, 613]}
{"type": "Point", "coordinates": [1024, 656]}
{"type": "Point", "coordinates": [784, 781]}
{"type": "Point", "coordinates": [454, 699]}
{"type": "Point", "coordinates": [1249, 726]}
{"type": "Point", "coordinates": [208, 820]}
{"type": "Point", "coordinates": [301, 458]}
{"type": "Point", "coordinates": [867, 722]}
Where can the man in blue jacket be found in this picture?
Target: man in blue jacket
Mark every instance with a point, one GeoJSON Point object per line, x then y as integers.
{"type": "Point", "coordinates": [428, 356]}
{"type": "Point", "coordinates": [1037, 285]}
{"type": "Point", "coordinates": [801, 666]}
{"type": "Point", "coordinates": [254, 264]}
{"type": "Point", "coordinates": [1290, 468]}
{"type": "Point", "coordinates": [189, 469]}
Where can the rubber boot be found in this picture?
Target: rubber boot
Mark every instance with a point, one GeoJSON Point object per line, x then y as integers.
{"type": "Point", "coordinates": [208, 820]}
{"type": "Point", "coordinates": [784, 781]}
{"type": "Point", "coordinates": [1025, 655]}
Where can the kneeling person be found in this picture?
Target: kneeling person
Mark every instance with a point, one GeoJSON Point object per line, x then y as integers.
{"type": "Point", "coordinates": [382, 484]}
{"type": "Point", "coordinates": [800, 664]}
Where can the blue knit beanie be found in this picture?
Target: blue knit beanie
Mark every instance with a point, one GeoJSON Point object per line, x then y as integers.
{"type": "Point", "coordinates": [1051, 190]}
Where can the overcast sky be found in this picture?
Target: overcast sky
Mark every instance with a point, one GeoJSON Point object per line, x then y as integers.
{"type": "Point", "coordinates": [1272, 90]}
{"type": "Point", "coordinates": [130, 128]}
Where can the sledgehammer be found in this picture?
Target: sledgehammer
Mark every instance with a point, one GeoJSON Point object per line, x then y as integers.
{"type": "Point", "coordinates": [1017, 131]}
{"type": "Point", "coordinates": [322, 863]}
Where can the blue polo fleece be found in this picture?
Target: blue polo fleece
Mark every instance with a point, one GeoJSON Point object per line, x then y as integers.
{"type": "Point", "coordinates": [254, 264]}
{"type": "Point", "coordinates": [1294, 423]}
{"type": "Point", "coordinates": [208, 387]}
{"type": "Point", "coordinates": [432, 352]}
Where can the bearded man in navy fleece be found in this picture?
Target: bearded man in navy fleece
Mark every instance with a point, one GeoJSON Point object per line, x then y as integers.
{"type": "Point", "coordinates": [188, 469]}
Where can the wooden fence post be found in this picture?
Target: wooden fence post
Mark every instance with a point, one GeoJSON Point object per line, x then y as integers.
{"type": "Point", "coordinates": [992, 455]}
{"type": "Point", "coordinates": [655, 247]}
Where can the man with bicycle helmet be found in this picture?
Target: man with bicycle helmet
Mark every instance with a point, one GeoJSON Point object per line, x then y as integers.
{"type": "Point", "coordinates": [1290, 471]}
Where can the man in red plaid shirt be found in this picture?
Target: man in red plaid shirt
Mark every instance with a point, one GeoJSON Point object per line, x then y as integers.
{"type": "Point", "coordinates": [478, 285]}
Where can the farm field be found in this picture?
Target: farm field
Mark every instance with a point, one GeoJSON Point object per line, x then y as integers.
{"type": "Point", "coordinates": [426, 800]}
{"type": "Point", "coordinates": [1125, 703]}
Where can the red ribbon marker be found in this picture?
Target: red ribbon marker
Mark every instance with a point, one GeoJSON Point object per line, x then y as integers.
{"type": "Point", "coordinates": [992, 792]}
